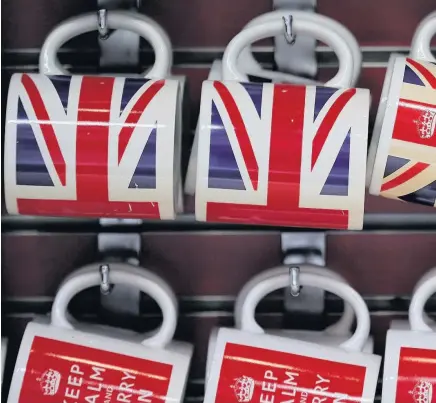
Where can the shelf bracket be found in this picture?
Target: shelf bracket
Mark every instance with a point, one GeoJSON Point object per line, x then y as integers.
{"type": "Point", "coordinates": [300, 58]}
{"type": "Point", "coordinates": [304, 248]}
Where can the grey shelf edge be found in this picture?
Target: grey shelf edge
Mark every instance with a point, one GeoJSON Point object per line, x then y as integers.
{"type": "Point", "coordinates": [186, 223]}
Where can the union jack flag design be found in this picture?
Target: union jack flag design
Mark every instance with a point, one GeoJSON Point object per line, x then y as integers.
{"type": "Point", "coordinates": [91, 146]}
{"type": "Point", "coordinates": [410, 171]}
{"type": "Point", "coordinates": [279, 154]}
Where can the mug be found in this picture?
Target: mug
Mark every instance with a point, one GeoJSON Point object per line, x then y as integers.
{"type": "Point", "coordinates": [259, 367]}
{"type": "Point", "coordinates": [410, 357]}
{"type": "Point", "coordinates": [280, 154]}
{"type": "Point", "coordinates": [63, 360]}
{"type": "Point", "coordinates": [402, 154]}
{"type": "Point", "coordinates": [90, 145]}
{"type": "Point", "coordinates": [248, 64]}
{"type": "Point", "coordinates": [333, 335]}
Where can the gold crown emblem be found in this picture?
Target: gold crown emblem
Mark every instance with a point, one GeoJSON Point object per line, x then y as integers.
{"type": "Point", "coordinates": [243, 388]}
{"type": "Point", "coordinates": [426, 124]}
{"type": "Point", "coordinates": [422, 392]}
{"type": "Point", "coordinates": [49, 382]}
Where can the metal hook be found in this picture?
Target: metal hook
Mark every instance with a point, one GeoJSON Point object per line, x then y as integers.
{"type": "Point", "coordinates": [294, 275]}
{"type": "Point", "coordinates": [105, 286]}
{"type": "Point", "coordinates": [103, 30]}
{"type": "Point", "coordinates": [290, 34]}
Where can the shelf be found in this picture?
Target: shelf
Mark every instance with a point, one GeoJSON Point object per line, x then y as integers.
{"type": "Point", "coordinates": [186, 222]}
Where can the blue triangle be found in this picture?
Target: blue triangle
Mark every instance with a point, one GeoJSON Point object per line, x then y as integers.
{"type": "Point", "coordinates": [337, 181]}
{"type": "Point", "coordinates": [255, 92]}
{"type": "Point", "coordinates": [131, 87]}
{"type": "Point", "coordinates": [144, 176]}
{"type": "Point", "coordinates": [31, 168]}
{"type": "Point", "coordinates": [393, 164]}
{"type": "Point", "coordinates": [322, 95]}
{"type": "Point", "coordinates": [411, 77]}
{"type": "Point", "coordinates": [425, 195]}
{"type": "Point", "coordinates": [62, 87]}
{"type": "Point", "coordinates": [223, 168]}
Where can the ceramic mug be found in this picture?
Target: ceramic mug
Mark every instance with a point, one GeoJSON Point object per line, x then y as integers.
{"type": "Point", "coordinates": [249, 366]}
{"type": "Point", "coordinates": [280, 154]}
{"type": "Point", "coordinates": [333, 335]}
{"type": "Point", "coordinates": [402, 154]}
{"type": "Point", "coordinates": [410, 357]}
{"type": "Point", "coordinates": [92, 145]}
{"type": "Point", "coordinates": [62, 360]}
{"type": "Point", "coordinates": [248, 64]}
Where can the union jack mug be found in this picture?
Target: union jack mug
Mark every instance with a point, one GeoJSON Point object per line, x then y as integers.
{"type": "Point", "coordinates": [279, 154]}
{"type": "Point", "coordinates": [333, 335]}
{"type": "Point", "coordinates": [402, 154]}
{"type": "Point", "coordinates": [256, 367]}
{"type": "Point", "coordinates": [66, 361]}
{"type": "Point", "coordinates": [92, 145]}
{"type": "Point", "coordinates": [249, 65]}
{"type": "Point", "coordinates": [410, 358]}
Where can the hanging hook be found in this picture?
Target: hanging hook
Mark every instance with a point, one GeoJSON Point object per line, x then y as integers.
{"type": "Point", "coordinates": [294, 276]}
{"type": "Point", "coordinates": [290, 34]}
{"type": "Point", "coordinates": [103, 31]}
{"type": "Point", "coordinates": [105, 286]}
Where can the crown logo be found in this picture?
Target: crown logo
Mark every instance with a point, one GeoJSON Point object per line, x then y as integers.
{"type": "Point", "coordinates": [426, 124]}
{"type": "Point", "coordinates": [422, 392]}
{"type": "Point", "coordinates": [49, 382]}
{"type": "Point", "coordinates": [243, 388]}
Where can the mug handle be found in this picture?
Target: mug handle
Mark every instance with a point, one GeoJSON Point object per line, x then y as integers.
{"type": "Point", "coordinates": [303, 25]}
{"type": "Point", "coordinates": [120, 273]}
{"type": "Point", "coordinates": [422, 293]}
{"type": "Point", "coordinates": [420, 48]}
{"type": "Point", "coordinates": [355, 343]}
{"type": "Point", "coordinates": [250, 65]}
{"type": "Point", "coordinates": [340, 328]}
{"type": "Point", "coordinates": [127, 20]}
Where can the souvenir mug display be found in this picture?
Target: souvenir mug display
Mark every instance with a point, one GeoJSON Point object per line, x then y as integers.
{"type": "Point", "coordinates": [281, 154]}
{"type": "Point", "coordinates": [249, 366]}
{"type": "Point", "coordinates": [410, 369]}
{"type": "Point", "coordinates": [402, 155]}
{"type": "Point", "coordinates": [405, 324]}
{"type": "Point", "coordinates": [333, 335]}
{"type": "Point", "coordinates": [63, 360]}
{"type": "Point", "coordinates": [92, 145]}
{"type": "Point", "coordinates": [249, 65]}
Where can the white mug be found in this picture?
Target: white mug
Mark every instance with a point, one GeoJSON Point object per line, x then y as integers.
{"type": "Point", "coordinates": [318, 27]}
{"type": "Point", "coordinates": [250, 65]}
{"type": "Point", "coordinates": [62, 360]}
{"type": "Point", "coordinates": [410, 356]}
{"type": "Point", "coordinates": [250, 366]}
{"type": "Point", "coordinates": [333, 335]}
{"type": "Point", "coordinates": [134, 157]}
{"type": "Point", "coordinates": [402, 153]}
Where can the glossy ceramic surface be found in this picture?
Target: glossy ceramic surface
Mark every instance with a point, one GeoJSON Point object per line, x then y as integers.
{"type": "Point", "coordinates": [91, 146]}
{"type": "Point", "coordinates": [282, 155]}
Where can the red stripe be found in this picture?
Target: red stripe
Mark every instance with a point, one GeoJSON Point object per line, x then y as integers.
{"type": "Point", "coordinates": [423, 71]}
{"type": "Point", "coordinates": [46, 128]}
{"type": "Point", "coordinates": [135, 114]}
{"type": "Point", "coordinates": [283, 203]}
{"type": "Point", "coordinates": [93, 139]}
{"type": "Point", "coordinates": [405, 176]}
{"type": "Point", "coordinates": [328, 122]}
{"type": "Point", "coordinates": [241, 132]}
